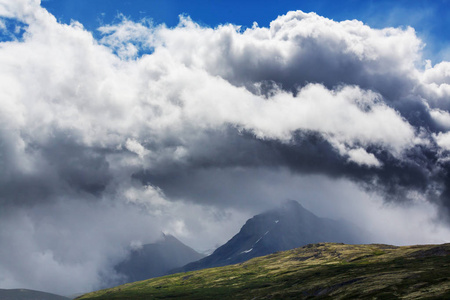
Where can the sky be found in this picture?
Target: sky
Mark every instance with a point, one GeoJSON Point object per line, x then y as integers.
{"type": "Point", "coordinates": [120, 120]}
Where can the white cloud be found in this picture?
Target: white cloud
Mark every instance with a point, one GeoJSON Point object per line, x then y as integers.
{"type": "Point", "coordinates": [360, 156]}
{"type": "Point", "coordinates": [135, 147]}
{"type": "Point", "coordinates": [441, 117]}
{"type": "Point", "coordinates": [435, 85]}
{"type": "Point", "coordinates": [123, 37]}
{"type": "Point", "coordinates": [298, 48]}
{"type": "Point", "coordinates": [439, 74]}
{"type": "Point", "coordinates": [91, 92]}
{"type": "Point", "coordinates": [443, 140]}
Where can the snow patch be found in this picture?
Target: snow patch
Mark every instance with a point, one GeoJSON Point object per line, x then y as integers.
{"type": "Point", "coordinates": [260, 238]}
{"type": "Point", "coordinates": [247, 251]}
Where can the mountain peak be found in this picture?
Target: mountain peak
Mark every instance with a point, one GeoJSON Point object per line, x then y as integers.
{"type": "Point", "coordinates": [156, 259]}
{"type": "Point", "coordinates": [289, 203]}
{"type": "Point", "coordinates": [285, 227]}
{"type": "Point", "coordinates": [291, 207]}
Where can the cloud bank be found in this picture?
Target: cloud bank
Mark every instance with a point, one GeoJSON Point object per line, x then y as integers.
{"type": "Point", "coordinates": [189, 130]}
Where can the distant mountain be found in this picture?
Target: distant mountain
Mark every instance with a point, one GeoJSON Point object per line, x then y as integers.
{"type": "Point", "coordinates": [286, 227]}
{"type": "Point", "coordinates": [22, 294]}
{"type": "Point", "coordinates": [153, 260]}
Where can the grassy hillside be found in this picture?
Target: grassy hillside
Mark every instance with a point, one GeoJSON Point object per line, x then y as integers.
{"type": "Point", "coordinates": [326, 270]}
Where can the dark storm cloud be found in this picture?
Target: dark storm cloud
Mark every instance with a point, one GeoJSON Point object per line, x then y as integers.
{"type": "Point", "coordinates": [78, 167]}
{"type": "Point", "coordinates": [60, 167]}
{"type": "Point", "coordinates": [307, 153]}
{"type": "Point", "coordinates": [313, 49]}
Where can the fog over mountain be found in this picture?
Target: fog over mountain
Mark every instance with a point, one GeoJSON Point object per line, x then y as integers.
{"type": "Point", "coordinates": [156, 259]}
{"type": "Point", "coordinates": [283, 228]}
{"type": "Point", "coordinates": [109, 137]}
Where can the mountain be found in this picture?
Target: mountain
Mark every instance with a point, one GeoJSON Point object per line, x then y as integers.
{"type": "Point", "coordinates": [153, 260]}
{"type": "Point", "coordinates": [22, 294]}
{"type": "Point", "coordinates": [286, 227]}
{"type": "Point", "coordinates": [325, 270]}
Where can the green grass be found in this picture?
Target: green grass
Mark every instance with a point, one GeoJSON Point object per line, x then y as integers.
{"type": "Point", "coordinates": [324, 271]}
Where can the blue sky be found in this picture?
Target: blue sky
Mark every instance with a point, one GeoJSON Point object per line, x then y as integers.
{"type": "Point", "coordinates": [431, 19]}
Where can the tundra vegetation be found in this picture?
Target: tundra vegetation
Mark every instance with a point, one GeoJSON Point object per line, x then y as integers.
{"type": "Point", "coordinates": [324, 270]}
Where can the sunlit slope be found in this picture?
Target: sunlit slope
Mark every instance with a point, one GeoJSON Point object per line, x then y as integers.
{"type": "Point", "coordinates": [327, 270]}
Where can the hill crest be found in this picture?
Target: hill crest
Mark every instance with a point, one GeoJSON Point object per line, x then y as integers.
{"type": "Point", "coordinates": [329, 270]}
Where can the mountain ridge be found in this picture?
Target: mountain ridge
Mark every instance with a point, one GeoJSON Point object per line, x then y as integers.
{"type": "Point", "coordinates": [27, 294]}
{"type": "Point", "coordinates": [326, 270]}
{"type": "Point", "coordinates": [156, 259]}
{"type": "Point", "coordinates": [286, 227]}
